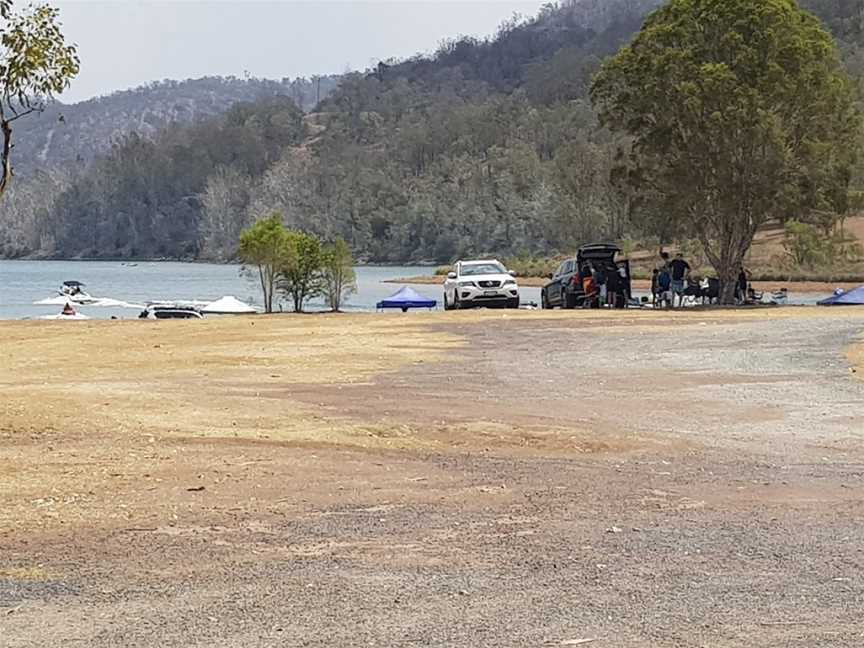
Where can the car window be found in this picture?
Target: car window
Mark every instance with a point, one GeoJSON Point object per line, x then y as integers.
{"type": "Point", "coordinates": [568, 267]}
{"type": "Point", "coordinates": [482, 269]}
{"type": "Point", "coordinates": [560, 270]}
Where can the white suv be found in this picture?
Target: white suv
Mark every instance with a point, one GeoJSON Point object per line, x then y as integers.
{"type": "Point", "coordinates": [480, 283]}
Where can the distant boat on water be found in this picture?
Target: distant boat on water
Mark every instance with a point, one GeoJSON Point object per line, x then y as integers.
{"type": "Point", "coordinates": [72, 292]}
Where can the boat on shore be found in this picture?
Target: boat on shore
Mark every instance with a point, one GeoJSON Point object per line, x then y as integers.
{"type": "Point", "coordinates": [228, 305]}
{"type": "Point", "coordinates": [68, 313]}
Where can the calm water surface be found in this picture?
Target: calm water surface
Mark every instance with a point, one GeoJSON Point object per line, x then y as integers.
{"type": "Point", "coordinates": [24, 282]}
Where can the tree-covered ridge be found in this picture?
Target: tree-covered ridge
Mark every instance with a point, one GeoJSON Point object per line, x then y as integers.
{"type": "Point", "coordinates": [75, 134]}
{"type": "Point", "coordinates": [487, 146]}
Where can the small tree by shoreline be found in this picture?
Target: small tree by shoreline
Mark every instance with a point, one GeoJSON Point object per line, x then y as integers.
{"type": "Point", "coordinates": [340, 281]}
{"type": "Point", "coordinates": [295, 265]}
{"type": "Point", "coordinates": [301, 274]}
{"type": "Point", "coordinates": [264, 247]}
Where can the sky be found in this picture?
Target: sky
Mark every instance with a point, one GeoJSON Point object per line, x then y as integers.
{"type": "Point", "coordinates": [126, 43]}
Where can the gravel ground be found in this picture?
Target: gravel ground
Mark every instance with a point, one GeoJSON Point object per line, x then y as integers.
{"type": "Point", "coordinates": [632, 481]}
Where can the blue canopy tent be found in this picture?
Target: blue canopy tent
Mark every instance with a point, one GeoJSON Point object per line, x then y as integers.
{"type": "Point", "coordinates": [849, 298]}
{"type": "Point", "coordinates": [406, 298]}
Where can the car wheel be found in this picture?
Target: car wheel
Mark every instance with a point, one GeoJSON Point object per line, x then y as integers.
{"type": "Point", "coordinates": [513, 303]}
{"type": "Point", "coordinates": [457, 304]}
{"type": "Point", "coordinates": [544, 301]}
{"type": "Point", "coordinates": [446, 302]}
{"type": "Point", "coordinates": [567, 301]}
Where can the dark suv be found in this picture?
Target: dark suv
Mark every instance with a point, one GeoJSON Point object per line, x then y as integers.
{"type": "Point", "coordinates": [565, 286]}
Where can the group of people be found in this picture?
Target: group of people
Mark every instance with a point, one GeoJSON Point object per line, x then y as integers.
{"type": "Point", "coordinates": [602, 287]}
{"type": "Point", "coordinates": [669, 281]}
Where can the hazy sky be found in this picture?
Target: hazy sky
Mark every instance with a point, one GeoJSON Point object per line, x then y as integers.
{"type": "Point", "coordinates": [124, 43]}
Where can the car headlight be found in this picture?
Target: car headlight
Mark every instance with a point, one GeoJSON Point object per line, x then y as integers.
{"type": "Point", "coordinates": [465, 284]}
{"type": "Point", "coordinates": [509, 282]}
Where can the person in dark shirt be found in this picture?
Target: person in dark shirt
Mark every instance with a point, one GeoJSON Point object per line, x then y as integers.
{"type": "Point", "coordinates": [613, 287]}
{"type": "Point", "coordinates": [655, 288]}
{"type": "Point", "coordinates": [679, 270]}
{"type": "Point", "coordinates": [741, 286]}
{"type": "Point", "coordinates": [664, 286]}
{"type": "Point", "coordinates": [600, 283]}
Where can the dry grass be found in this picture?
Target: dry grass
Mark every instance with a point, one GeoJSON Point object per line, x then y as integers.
{"type": "Point", "coordinates": [107, 423]}
{"type": "Point", "coordinates": [211, 378]}
{"type": "Point", "coordinates": [95, 417]}
{"type": "Point", "coordinates": [235, 377]}
{"type": "Point", "coordinates": [34, 573]}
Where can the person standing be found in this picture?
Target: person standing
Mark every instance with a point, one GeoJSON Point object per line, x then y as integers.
{"type": "Point", "coordinates": [589, 289]}
{"type": "Point", "coordinates": [664, 286]}
{"type": "Point", "coordinates": [741, 286]}
{"type": "Point", "coordinates": [679, 270]}
{"type": "Point", "coordinates": [655, 288]}
{"type": "Point", "coordinates": [601, 284]}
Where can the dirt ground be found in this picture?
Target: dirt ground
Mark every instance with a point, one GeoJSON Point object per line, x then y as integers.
{"type": "Point", "coordinates": [435, 479]}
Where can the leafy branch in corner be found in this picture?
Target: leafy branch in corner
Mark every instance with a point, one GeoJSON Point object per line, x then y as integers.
{"type": "Point", "coordinates": [36, 64]}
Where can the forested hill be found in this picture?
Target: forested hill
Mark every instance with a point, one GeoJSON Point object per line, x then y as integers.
{"type": "Point", "coordinates": [487, 146]}
{"type": "Point", "coordinates": [76, 133]}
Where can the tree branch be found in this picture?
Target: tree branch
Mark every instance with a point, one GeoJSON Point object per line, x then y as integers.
{"type": "Point", "coordinates": [5, 161]}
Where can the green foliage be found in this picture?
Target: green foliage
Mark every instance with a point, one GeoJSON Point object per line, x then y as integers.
{"type": "Point", "coordinates": [35, 65]}
{"type": "Point", "coordinates": [489, 147]}
{"type": "Point", "coordinates": [803, 243]}
{"type": "Point", "coordinates": [264, 246]}
{"type": "Point", "coordinates": [301, 268]}
{"type": "Point", "coordinates": [183, 194]}
{"type": "Point", "coordinates": [295, 264]}
{"type": "Point", "coordinates": [476, 150]}
{"type": "Point", "coordinates": [739, 113]}
{"type": "Point", "coordinates": [340, 281]}
{"type": "Point", "coordinates": [532, 266]}
{"type": "Point", "coordinates": [808, 248]}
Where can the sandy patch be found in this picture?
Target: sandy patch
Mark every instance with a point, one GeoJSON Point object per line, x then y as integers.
{"type": "Point", "coordinates": [856, 356]}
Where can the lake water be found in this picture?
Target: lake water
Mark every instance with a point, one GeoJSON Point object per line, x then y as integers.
{"type": "Point", "coordinates": [24, 282]}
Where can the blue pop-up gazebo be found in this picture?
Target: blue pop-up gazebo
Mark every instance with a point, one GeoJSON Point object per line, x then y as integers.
{"type": "Point", "coordinates": [406, 298]}
{"type": "Point", "coordinates": [849, 298]}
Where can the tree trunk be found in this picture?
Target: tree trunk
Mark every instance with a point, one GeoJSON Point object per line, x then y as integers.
{"type": "Point", "coordinates": [727, 290]}
{"type": "Point", "coordinates": [727, 253]}
{"type": "Point", "coordinates": [6, 161]}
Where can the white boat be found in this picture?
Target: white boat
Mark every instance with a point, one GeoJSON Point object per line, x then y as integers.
{"type": "Point", "coordinates": [68, 313]}
{"type": "Point", "coordinates": [73, 291]}
{"type": "Point", "coordinates": [228, 305]}
{"type": "Point", "coordinates": [61, 316]}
